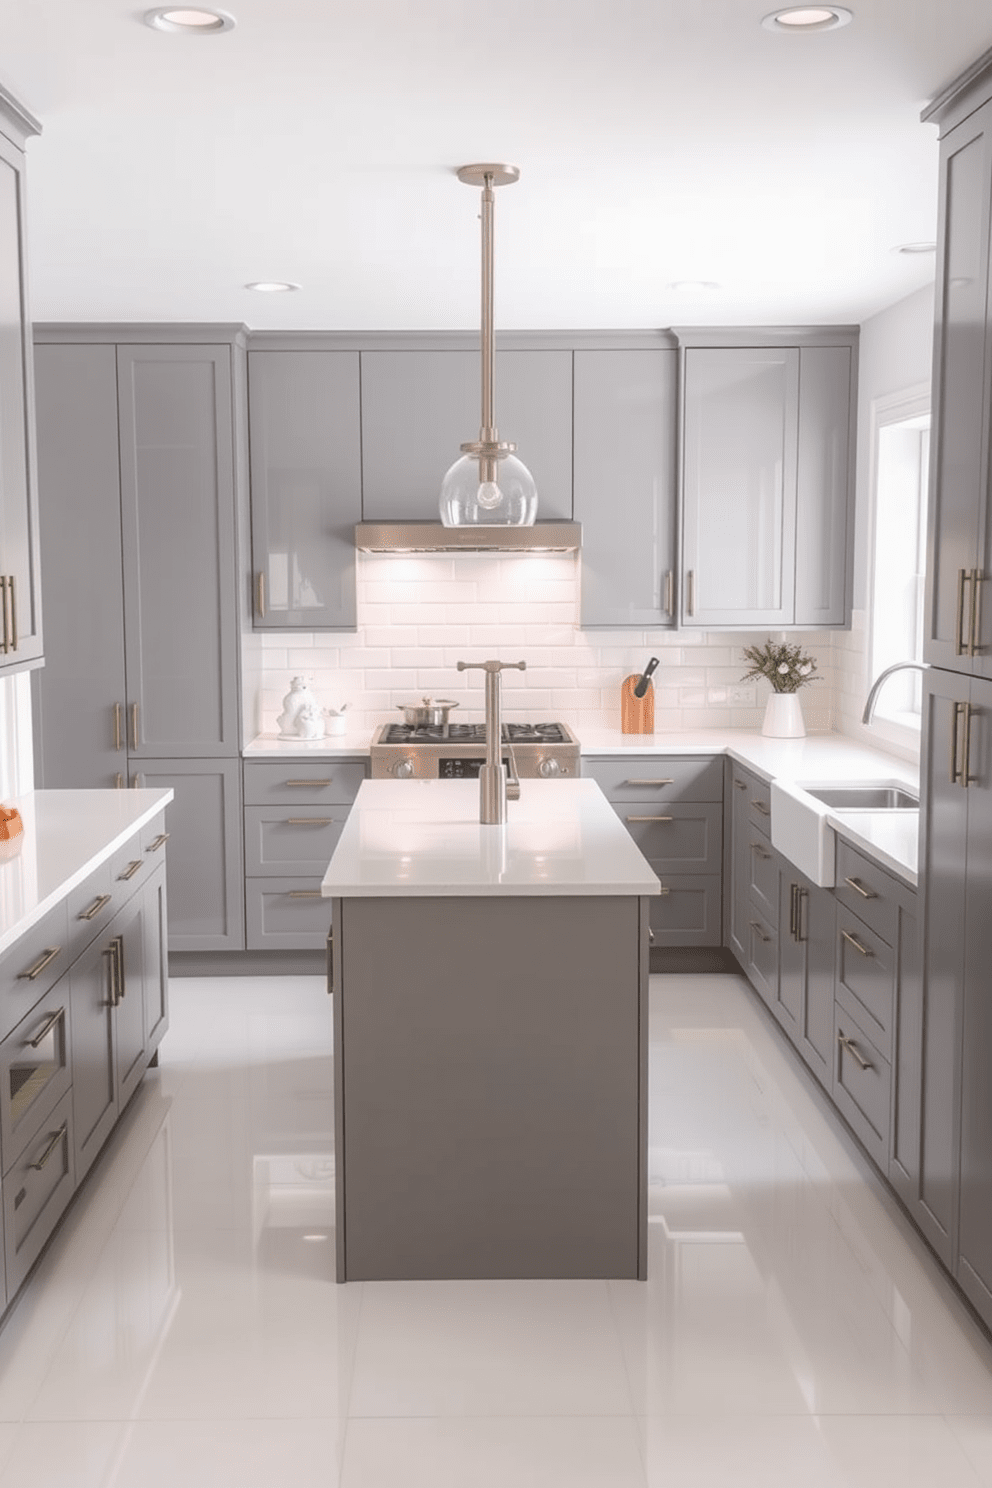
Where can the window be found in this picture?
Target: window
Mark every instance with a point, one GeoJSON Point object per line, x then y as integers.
{"type": "Point", "coordinates": [901, 427]}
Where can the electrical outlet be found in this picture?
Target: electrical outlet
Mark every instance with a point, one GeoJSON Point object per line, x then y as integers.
{"type": "Point", "coordinates": [744, 694]}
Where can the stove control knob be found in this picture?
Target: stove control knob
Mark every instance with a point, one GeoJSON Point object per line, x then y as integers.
{"type": "Point", "coordinates": [549, 768]}
{"type": "Point", "coordinates": [403, 769]}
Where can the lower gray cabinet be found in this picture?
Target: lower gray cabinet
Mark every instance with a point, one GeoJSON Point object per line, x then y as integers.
{"type": "Point", "coordinates": [286, 914]}
{"type": "Point", "coordinates": [36, 1189]}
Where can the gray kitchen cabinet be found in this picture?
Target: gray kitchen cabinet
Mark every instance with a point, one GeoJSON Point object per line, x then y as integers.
{"type": "Point", "coordinates": [179, 546]}
{"type": "Point", "coordinates": [804, 1002]}
{"type": "Point", "coordinates": [306, 487]}
{"type": "Point", "coordinates": [625, 485]}
{"type": "Point", "coordinates": [419, 406]}
{"type": "Point", "coordinates": [20, 575]}
{"type": "Point", "coordinates": [750, 817]}
{"type": "Point", "coordinates": [767, 442]}
{"type": "Point", "coordinates": [959, 548]}
{"type": "Point", "coordinates": [206, 896]}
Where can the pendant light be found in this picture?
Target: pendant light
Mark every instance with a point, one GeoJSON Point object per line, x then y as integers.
{"type": "Point", "coordinates": [488, 486]}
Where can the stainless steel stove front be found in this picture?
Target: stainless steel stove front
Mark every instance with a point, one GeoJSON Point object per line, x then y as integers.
{"type": "Point", "coordinates": [540, 751]}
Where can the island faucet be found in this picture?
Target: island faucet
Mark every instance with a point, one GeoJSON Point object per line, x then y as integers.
{"type": "Point", "coordinates": [493, 789]}
{"type": "Point", "coordinates": [876, 686]}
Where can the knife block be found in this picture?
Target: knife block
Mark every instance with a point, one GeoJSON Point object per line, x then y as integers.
{"type": "Point", "coordinates": [636, 714]}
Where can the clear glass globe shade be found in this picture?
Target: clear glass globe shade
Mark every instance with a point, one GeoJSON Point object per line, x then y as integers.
{"type": "Point", "coordinates": [510, 501]}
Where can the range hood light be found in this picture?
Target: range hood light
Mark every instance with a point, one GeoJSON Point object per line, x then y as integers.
{"type": "Point", "coordinates": [434, 537]}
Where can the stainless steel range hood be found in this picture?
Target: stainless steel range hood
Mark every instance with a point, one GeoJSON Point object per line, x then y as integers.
{"type": "Point", "coordinates": [433, 537]}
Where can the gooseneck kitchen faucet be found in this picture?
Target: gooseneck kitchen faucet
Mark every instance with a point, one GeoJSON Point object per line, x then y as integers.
{"type": "Point", "coordinates": [876, 686]}
{"type": "Point", "coordinates": [494, 791]}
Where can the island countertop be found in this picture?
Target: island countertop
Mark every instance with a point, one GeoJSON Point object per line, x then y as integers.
{"type": "Point", "coordinates": [423, 837]}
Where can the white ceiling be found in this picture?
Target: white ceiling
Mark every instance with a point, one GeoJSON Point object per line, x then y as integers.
{"type": "Point", "coordinates": [658, 140]}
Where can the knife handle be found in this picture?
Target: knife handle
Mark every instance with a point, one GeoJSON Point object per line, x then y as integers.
{"type": "Point", "coordinates": [641, 686]}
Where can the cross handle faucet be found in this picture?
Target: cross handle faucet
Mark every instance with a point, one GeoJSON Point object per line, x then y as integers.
{"type": "Point", "coordinates": [492, 777]}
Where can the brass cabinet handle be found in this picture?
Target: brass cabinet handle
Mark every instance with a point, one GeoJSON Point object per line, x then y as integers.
{"type": "Point", "coordinates": [135, 778]}
{"type": "Point", "coordinates": [759, 932]}
{"type": "Point", "coordinates": [762, 852]}
{"type": "Point", "coordinates": [663, 891]}
{"type": "Point", "coordinates": [690, 592]}
{"type": "Point", "coordinates": [648, 818]}
{"type": "Point", "coordinates": [966, 776]}
{"type": "Point", "coordinates": [859, 888]}
{"type": "Point", "coordinates": [314, 821]}
{"type": "Point", "coordinates": [855, 942]}
{"type": "Point", "coordinates": [957, 775]}
{"type": "Point", "coordinates": [120, 780]}
{"type": "Point", "coordinates": [330, 961]}
{"type": "Point", "coordinates": [307, 782]}
{"type": "Point", "coordinates": [960, 644]}
{"type": "Point", "coordinates": [260, 593]}
{"type": "Point", "coordinates": [669, 600]}
{"type": "Point", "coordinates": [95, 907]}
{"type": "Point", "coordinates": [117, 959]}
{"type": "Point", "coordinates": [305, 894]}
{"type": "Point", "coordinates": [45, 1029]}
{"type": "Point", "coordinates": [160, 841]}
{"type": "Point", "coordinates": [46, 957]}
{"type": "Point", "coordinates": [975, 620]}
{"type": "Point", "coordinates": [5, 647]}
{"type": "Point", "coordinates": [793, 892]}
{"type": "Point", "coordinates": [134, 725]}
{"type": "Point", "coordinates": [854, 1051]}
{"type": "Point", "coordinates": [650, 936]}
{"type": "Point", "coordinates": [111, 951]}
{"type": "Point", "coordinates": [760, 806]}
{"type": "Point", "coordinates": [13, 613]}
{"type": "Point", "coordinates": [43, 1159]}
{"type": "Point", "coordinates": [802, 897]}
{"type": "Point", "coordinates": [118, 741]}
{"type": "Point", "coordinates": [657, 781]}
{"type": "Point", "coordinates": [130, 870]}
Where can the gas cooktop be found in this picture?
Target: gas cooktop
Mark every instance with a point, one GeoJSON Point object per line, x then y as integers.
{"type": "Point", "coordinates": [473, 733]}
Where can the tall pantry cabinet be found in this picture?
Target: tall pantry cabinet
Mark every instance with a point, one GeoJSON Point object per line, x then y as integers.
{"type": "Point", "coordinates": [955, 1170]}
{"type": "Point", "coordinates": [137, 456]}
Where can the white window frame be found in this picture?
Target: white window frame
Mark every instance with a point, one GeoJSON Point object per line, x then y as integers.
{"type": "Point", "coordinates": [890, 408]}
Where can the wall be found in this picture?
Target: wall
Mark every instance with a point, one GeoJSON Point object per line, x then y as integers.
{"type": "Point", "coordinates": [418, 616]}
{"type": "Point", "coordinates": [895, 354]}
{"type": "Point", "coordinates": [16, 758]}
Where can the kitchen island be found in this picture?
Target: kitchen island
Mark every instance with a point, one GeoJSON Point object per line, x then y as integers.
{"type": "Point", "coordinates": [490, 1035]}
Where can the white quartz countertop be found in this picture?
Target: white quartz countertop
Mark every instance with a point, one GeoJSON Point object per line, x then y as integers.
{"type": "Point", "coordinates": [423, 837]}
{"type": "Point", "coordinates": [67, 833]}
{"type": "Point", "coordinates": [333, 746]}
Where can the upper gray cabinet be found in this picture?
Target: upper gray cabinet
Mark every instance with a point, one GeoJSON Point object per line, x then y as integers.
{"type": "Point", "coordinates": [20, 578]}
{"type": "Point", "coordinates": [959, 557]}
{"type": "Point", "coordinates": [625, 485]}
{"type": "Point", "coordinates": [306, 487]}
{"type": "Point", "coordinates": [767, 450]}
{"type": "Point", "coordinates": [418, 407]}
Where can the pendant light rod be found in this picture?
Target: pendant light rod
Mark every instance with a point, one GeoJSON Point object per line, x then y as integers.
{"type": "Point", "coordinates": [488, 177]}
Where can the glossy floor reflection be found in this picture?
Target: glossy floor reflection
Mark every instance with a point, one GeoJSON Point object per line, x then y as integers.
{"type": "Point", "coordinates": [185, 1327]}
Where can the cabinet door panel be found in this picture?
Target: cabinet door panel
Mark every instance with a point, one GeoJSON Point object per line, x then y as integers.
{"type": "Point", "coordinates": [741, 410]}
{"type": "Point", "coordinates": [178, 526]}
{"type": "Point", "coordinates": [960, 398]}
{"type": "Point", "coordinates": [156, 961]}
{"type": "Point", "coordinates": [418, 407]}
{"type": "Point", "coordinates": [129, 1015]}
{"type": "Point", "coordinates": [688, 912]}
{"type": "Point", "coordinates": [18, 502]}
{"type": "Point", "coordinates": [824, 483]}
{"type": "Point", "coordinates": [206, 883]}
{"type": "Point", "coordinates": [625, 485]}
{"type": "Point", "coordinates": [306, 486]}
{"type": "Point", "coordinates": [286, 914]}
{"type": "Point", "coordinates": [94, 1083]}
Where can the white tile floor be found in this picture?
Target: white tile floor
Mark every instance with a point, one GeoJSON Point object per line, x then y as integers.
{"type": "Point", "coordinates": [185, 1331]}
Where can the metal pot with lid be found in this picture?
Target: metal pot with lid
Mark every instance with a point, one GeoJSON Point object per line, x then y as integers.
{"type": "Point", "coordinates": [428, 713]}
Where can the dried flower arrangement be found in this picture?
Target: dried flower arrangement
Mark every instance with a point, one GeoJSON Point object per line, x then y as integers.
{"type": "Point", "coordinates": [786, 667]}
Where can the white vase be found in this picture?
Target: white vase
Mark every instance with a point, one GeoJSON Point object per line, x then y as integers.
{"type": "Point", "coordinates": [783, 717]}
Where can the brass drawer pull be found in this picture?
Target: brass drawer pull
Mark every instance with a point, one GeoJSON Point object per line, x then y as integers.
{"type": "Point", "coordinates": [120, 780]}
{"type": "Point", "coordinates": [960, 643]}
{"type": "Point", "coordinates": [854, 1051]}
{"type": "Point", "coordinates": [760, 806]}
{"type": "Point", "coordinates": [648, 818]}
{"type": "Point", "coordinates": [134, 725]}
{"type": "Point", "coordinates": [118, 741]}
{"type": "Point", "coordinates": [95, 907]}
{"type": "Point", "coordinates": [760, 933]}
{"type": "Point", "coordinates": [43, 1159]}
{"type": "Point", "coordinates": [853, 940]}
{"type": "Point", "coordinates": [45, 1029]}
{"type": "Point", "coordinates": [663, 890]}
{"type": "Point", "coordinates": [13, 613]}
{"type": "Point", "coordinates": [690, 597]}
{"type": "Point", "coordinates": [740, 785]}
{"type": "Point", "coordinates": [658, 781]}
{"type": "Point", "coordinates": [305, 894]}
{"type": "Point", "coordinates": [43, 960]}
{"type": "Point", "coordinates": [977, 580]}
{"type": "Point", "coordinates": [130, 870]}
{"type": "Point", "coordinates": [260, 589]}
{"type": "Point", "coordinates": [309, 821]}
{"type": "Point", "coordinates": [5, 647]}
{"type": "Point", "coordinates": [859, 888]}
{"type": "Point", "coordinates": [308, 782]}
{"type": "Point", "coordinates": [160, 841]}
{"type": "Point", "coordinates": [668, 602]}
{"type": "Point", "coordinates": [650, 936]}
{"type": "Point", "coordinates": [762, 852]}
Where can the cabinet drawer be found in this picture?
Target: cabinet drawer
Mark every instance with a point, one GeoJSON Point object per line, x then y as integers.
{"type": "Point", "coordinates": [35, 1192]}
{"type": "Point", "coordinates": [677, 838]}
{"type": "Point", "coordinates": [279, 840]}
{"type": "Point", "coordinates": [867, 890]}
{"type": "Point", "coordinates": [862, 1085]}
{"type": "Point", "coordinates": [657, 778]}
{"type": "Point", "coordinates": [762, 869]}
{"type": "Point", "coordinates": [303, 782]}
{"type": "Point", "coordinates": [34, 1071]}
{"type": "Point", "coordinates": [762, 958]}
{"type": "Point", "coordinates": [91, 906]}
{"type": "Point", "coordinates": [32, 965]}
{"type": "Point", "coordinates": [687, 912]}
{"type": "Point", "coordinates": [865, 969]}
{"type": "Point", "coordinates": [756, 795]}
{"type": "Point", "coordinates": [286, 914]}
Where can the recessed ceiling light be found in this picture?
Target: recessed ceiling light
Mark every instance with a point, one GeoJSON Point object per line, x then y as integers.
{"type": "Point", "coordinates": [808, 18]}
{"type": "Point", "coordinates": [688, 286]}
{"type": "Point", "coordinates": [272, 286]}
{"type": "Point", "coordinates": [193, 22]}
{"type": "Point", "coordinates": [915, 248]}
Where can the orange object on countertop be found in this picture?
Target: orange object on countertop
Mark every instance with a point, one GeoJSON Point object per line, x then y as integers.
{"type": "Point", "coordinates": [10, 823]}
{"type": "Point", "coordinates": [636, 713]}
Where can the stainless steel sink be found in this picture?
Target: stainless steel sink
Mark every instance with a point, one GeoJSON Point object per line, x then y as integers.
{"type": "Point", "coordinates": [866, 797]}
